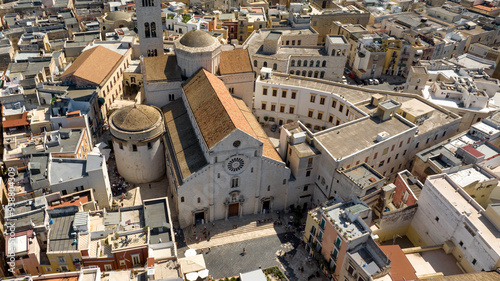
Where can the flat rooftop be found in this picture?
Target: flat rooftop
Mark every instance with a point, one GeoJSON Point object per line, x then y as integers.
{"type": "Point", "coordinates": [430, 262]}
{"type": "Point", "coordinates": [487, 149]}
{"type": "Point", "coordinates": [457, 201]}
{"type": "Point", "coordinates": [304, 150]}
{"type": "Point", "coordinates": [352, 229]}
{"type": "Point", "coordinates": [337, 39]}
{"type": "Point", "coordinates": [364, 132]}
{"type": "Point", "coordinates": [59, 145]}
{"type": "Point", "coordinates": [60, 239]}
{"type": "Point", "coordinates": [363, 175]}
{"type": "Point", "coordinates": [469, 175]}
{"type": "Point", "coordinates": [485, 128]}
{"type": "Point", "coordinates": [256, 40]}
{"type": "Point", "coordinates": [156, 216]}
{"type": "Point", "coordinates": [64, 170]}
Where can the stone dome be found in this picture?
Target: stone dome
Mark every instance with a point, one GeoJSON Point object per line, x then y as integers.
{"type": "Point", "coordinates": [135, 118]}
{"type": "Point", "coordinates": [197, 39]}
{"type": "Point", "coordinates": [118, 15]}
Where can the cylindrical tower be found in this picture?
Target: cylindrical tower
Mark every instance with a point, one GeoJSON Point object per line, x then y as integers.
{"type": "Point", "coordinates": [137, 141]}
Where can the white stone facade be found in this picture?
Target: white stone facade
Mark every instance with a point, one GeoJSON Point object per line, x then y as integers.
{"type": "Point", "coordinates": [447, 213]}
{"type": "Point", "coordinates": [211, 193]}
{"type": "Point", "coordinates": [138, 144]}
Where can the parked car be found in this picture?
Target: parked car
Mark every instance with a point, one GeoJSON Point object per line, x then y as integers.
{"type": "Point", "coordinates": [375, 82]}
{"type": "Point", "coordinates": [358, 81]}
{"type": "Point", "coordinates": [274, 128]}
{"type": "Point", "coordinates": [344, 80]}
{"type": "Point", "coordinates": [370, 81]}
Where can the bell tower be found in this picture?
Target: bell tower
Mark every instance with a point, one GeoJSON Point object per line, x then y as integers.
{"type": "Point", "coordinates": [149, 27]}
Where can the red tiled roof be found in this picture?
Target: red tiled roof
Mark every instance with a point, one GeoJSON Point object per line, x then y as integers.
{"type": "Point", "coordinates": [401, 268]}
{"type": "Point", "coordinates": [23, 121]}
{"type": "Point", "coordinates": [85, 68]}
{"type": "Point", "coordinates": [218, 114]}
{"type": "Point", "coordinates": [472, 151]}
{"type": "Point", "coordinates": [235, 61]}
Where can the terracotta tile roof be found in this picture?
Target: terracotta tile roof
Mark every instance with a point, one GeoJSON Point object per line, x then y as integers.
{"type": "Point", "coordinates": [94, 65]}
{"type": "Point", "coordinates": [218, 114]}
{"type": "Point", "coordinates": [401, 268]}
{"type": "Point", "coordinates": [235, 61]}
{"type": "Point", "coordinates": [162, 68]}
{"type": "Point", "coordinates": [23, 121]}
{"type": "Point", "coordinates": [258, 132]}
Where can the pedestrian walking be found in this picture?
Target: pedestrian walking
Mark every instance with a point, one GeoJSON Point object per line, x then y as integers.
{"type": "Point", "coordinates": [244, 252]}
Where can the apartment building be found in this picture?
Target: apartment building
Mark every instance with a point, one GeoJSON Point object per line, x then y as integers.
{"type": "Point", "coordinates": [339, 235]}
{"type": "Point", "coordinates": [448, 215]}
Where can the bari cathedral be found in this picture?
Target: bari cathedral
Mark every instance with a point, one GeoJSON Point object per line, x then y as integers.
{"type": "Point", "coordinates": [196, 129]}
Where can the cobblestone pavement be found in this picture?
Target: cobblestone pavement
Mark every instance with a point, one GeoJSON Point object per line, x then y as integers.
{"type": "Point", "coordinates": [281, 250]}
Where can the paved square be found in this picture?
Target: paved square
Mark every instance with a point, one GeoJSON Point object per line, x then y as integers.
{"type": "Point", "coordinates": [227, 260]}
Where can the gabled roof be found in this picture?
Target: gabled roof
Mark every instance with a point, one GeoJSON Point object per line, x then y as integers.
{"type": "Point", "coordinates": [218, 114]}
{"type": "Point", "coordinates": [94, 65]}
{"type": "Point", "coordinates": [235, 61]}
{"type": "Point", "coordinates": [211, 104]}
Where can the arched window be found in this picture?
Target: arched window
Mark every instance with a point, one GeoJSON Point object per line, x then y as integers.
{"type": "Point", "coordinates": [304, 73]}
{"type": "Point", "coordinates": [322, 75]}
{"type": "Point", "coordinates": [311, 63]}
{"type": "Point", "coordinates": [199, 200]}
{"type": "Point", "coordinates": [293, 63]}
{"type": "Point", "coordinates": [182, 199]}
{"type": "Point", "coordinates": [153, 29]}
{"type": "Point", "coordinates": [305, 63]}
{"type": "Point", "coordinates": [146, 30]}
{"type": "Point", "coordinates": [255, 63]}
{"type": "Point", "coordinates": [333, 52]}
{"type": "Point", "coordinates": [291, 72]}
{"type": "Point", "coordinates": [310, 74]}
{"type": "Point", "coordinates": [143, 3]}
{"type": "Point", "coordinates": [324, 64]}
{"type": "Point", "coordinates": [316, 73]}
{"type": "Point", "coordinates": [298, 63]}
{"type": "Point", "coordinates": [275, 66]}
{"type": "Point", "coordinates": [264, 64]}
{"type": "Point", "coordinates": [317, 63]}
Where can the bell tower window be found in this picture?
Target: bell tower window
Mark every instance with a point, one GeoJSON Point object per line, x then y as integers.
{"type": "Point", "coordinates": [153, 30]}
{"type": "Point", "coordinates": [146, 30]}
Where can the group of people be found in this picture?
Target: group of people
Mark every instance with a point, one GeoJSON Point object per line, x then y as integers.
{"type": "Point", "coordinates": [119, 188]}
